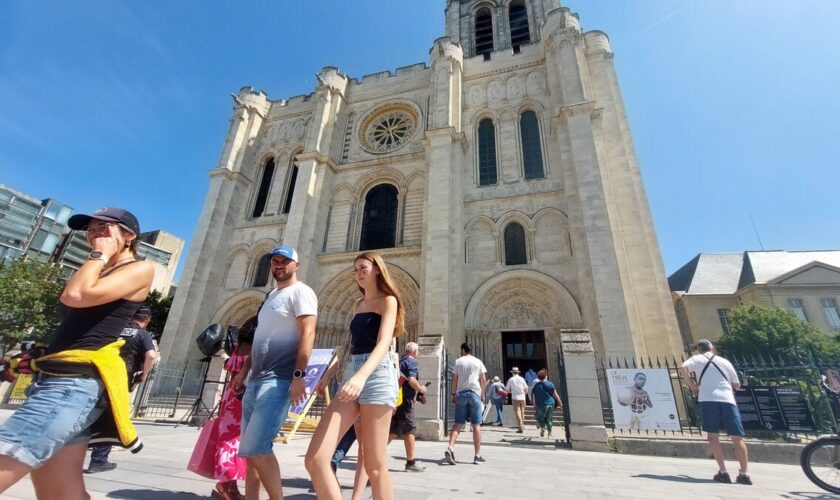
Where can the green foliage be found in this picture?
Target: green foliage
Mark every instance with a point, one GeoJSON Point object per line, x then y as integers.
{"type": "Point", "coordinates": [29, 294]}
{"type": "Point", "coordinates": [160, 306]}
{"type": "Point", "coordinates": [772, 331]}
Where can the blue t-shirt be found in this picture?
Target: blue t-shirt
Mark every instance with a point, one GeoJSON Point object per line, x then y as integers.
{"type": "Point", "coordinates": [544, 393]}
{"type": "Point", "coordinates": [409, 368]}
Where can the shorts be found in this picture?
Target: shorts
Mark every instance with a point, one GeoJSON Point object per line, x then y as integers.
{"type": "Point", "coordinates": [468, 404]}
{"type": "Point", "coordinates": [403, 422]}
{"type": "Point", "coordinates": [57, 412]}
{"type": "Point", "coordinates": [381, 386]}
{"type": "Point", "coordinates": [716, 415]}
{"type": "Point", "coordinates": [265, 407]}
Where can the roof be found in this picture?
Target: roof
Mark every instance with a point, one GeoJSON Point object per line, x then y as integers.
{"type": "Point", "coordinates": [726, 273]}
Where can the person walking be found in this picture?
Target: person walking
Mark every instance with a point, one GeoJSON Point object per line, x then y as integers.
{"type": "Point", "coordinates": [716, 384]}
{"type": "Point", "coordinates": [545, 398]}
{"type": "Point", "coordinates": [518, 389]}
{"type": "Point", "coordinates": [81, 377]}
{"type": "Point", "coordinates": [530, 379]}
{"type": "Point", "coordinates": [498, 395]}
{"type": "Point", "coordinates": [139, 353]}
{"type": "Point", "coordinates": [403, 423]}
{"type": "Point", "coordinates": [369, 390]}
{"type": "Point", "coordinates": [273, 374]}
{"type": "Point", "coordinates": [470, 381]}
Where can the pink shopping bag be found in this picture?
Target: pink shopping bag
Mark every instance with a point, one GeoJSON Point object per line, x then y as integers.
{"type": "Point", "coordinates": [202, 461]}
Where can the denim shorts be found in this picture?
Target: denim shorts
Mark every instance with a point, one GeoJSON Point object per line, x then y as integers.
{"type": "Point", "coordinates": [265, 407]}
{"type": "Point", "coordinates": [381, 386]}
{"type": "Point", "coordinates": [716, 415]}
{"type": "Point", "coordinates": [57, 412]}
{"type": "Point", "coordinates": [468, 404]}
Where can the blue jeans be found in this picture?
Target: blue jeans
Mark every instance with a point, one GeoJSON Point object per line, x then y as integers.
{"type": "Point", "coordinates": [468, 403]}
{"type": "Point", "coordinates": [500, 405]}
{"type": "Point", "coordinates": [99, 454]}
{"type": "Point", "coordinates": [265, 407]}
{"type": "Point", "coordinates": [343, 447]}
{"type": "Point", "coordinates": [57, 412]}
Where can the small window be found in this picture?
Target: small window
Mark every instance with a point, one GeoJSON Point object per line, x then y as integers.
{"type": "Point", "coordinates": [832, 315]}
{"type": "Point", "coordinates": [379, 223]}
{"type": "Point", "coordinates": [797, 307]}
{"type": "Point", "coordinates": [265, 184]}
{"type": "Point", "coordinates": [519, 32]}
{"type": "Point", "coordinates": [487, 174]}
{"type": "Point", "coordinates": [515, 245]}
{"type": "Point", "coordinates": [723, 315]}
{"type": "Point", "coordinates": [263, 270]}
{"type": "Point", "coordinates": [484, 33]}
{"type": "Point", "coordinates": [529, 130]}
{"type": "Point", "coordinates": [287, 205]}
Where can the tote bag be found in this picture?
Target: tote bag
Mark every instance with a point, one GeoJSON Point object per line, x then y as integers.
{"type": "Point", "coordinates": [202, 461]}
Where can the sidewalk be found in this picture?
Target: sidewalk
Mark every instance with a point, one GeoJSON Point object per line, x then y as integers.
{"type": "Point", "coordinates": [539, 472]}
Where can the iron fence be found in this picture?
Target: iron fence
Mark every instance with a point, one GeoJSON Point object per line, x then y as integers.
{"type": "Point", "coordinates": [169, 388]}
{"type": "Point", "coordinates": [447, 409]}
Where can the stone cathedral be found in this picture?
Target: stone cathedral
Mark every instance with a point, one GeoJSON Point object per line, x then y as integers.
{"type": "Point", "coordinates": [498, 179]}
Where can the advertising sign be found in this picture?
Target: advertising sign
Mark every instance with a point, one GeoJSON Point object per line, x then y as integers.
{"type": "Point", "coordinates": [318, 363]}
{"type": "Point", "coordinates": [643, 399]}
{"type": "Point", "coordinates": [774, 409]}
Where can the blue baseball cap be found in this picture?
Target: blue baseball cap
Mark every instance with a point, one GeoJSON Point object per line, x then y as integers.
{"type": "Point", "coordinates": [286, 251]}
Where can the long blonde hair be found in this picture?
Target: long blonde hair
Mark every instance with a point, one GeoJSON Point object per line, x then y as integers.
{"type": "Point", "coordinates": [385, 283]}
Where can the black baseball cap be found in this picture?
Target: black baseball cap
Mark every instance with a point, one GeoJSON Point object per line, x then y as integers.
{"type": "Point", "coordinates": [80, 222]}
{"type": "Point", "coordinates": [143, 312]}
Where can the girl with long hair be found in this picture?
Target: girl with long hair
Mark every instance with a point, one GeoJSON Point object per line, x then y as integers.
{"type": "Point", "coordinates": [369, 392]}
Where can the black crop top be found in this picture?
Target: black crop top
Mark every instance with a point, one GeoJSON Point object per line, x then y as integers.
{"type": "Point", "coordinates": [364, 331]}
{"type": "Point", "coordinates": [91, 328]}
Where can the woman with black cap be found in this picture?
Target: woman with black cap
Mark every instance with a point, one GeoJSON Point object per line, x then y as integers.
{"type": "Point", "coordinates": [81, 377]}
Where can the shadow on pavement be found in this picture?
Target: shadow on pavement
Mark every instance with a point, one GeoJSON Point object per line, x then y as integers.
{"type": "Point", "coordinates": [679, 479]}
{"type": "Point", "coordinates": [153, 495]}
{"type": "Point", "coordinates": [808, 495]}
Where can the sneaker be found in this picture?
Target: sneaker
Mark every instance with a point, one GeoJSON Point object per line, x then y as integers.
{"type": "Point", "coordinates": [415, 467]}
{"type": "Point", "coordinates": [722, 477]}
{"type": "Point", "coordinates": [501, 424]}
{"type": "Point", "coordinates": [743, 479]}
{"type": "Point", "coordinates": [478, 459]}
{"type": "Point", "coordinates": [549, 434]}
{"type": "Point", "coordinates": [449, 454]}
{"type": "Point", "coordinates": [542, 432]}
{"type": "Point", "coordinates": [519, 431]}
{"type": "Point", "coordinates": [93, 469]}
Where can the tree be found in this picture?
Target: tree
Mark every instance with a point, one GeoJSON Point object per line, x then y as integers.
{"type": "Point", "coordinates": [760, 330]}
{"type": "Point", "coordinates": [29, 292]}
{"type": "Point", "coordinates": [160, 306]}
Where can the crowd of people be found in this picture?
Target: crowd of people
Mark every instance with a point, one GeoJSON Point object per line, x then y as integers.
{"type": "Point", "coordinates": [81, 390]}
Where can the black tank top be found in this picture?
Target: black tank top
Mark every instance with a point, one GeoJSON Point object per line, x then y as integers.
{"type": "Point", "coordinates": [364, 330]}
{"type": "Point", "coordinates": [91, 328]}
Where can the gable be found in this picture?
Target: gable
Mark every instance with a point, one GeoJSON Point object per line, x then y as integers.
{"type": "Point", "coordinates": [813, 275]}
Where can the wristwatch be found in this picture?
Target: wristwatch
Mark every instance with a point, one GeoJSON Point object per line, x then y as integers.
{"type": "Point", "coordinates": [298, 373]}
{"type": "Point", "coordinates": [98, 256]}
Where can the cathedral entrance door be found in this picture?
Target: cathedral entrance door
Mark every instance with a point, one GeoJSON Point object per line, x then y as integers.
{"type": "Point", "coordinates": [523, 349]}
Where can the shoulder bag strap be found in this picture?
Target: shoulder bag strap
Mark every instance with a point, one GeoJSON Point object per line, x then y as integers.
{"type": "Point", "coordinates": [718, 369]}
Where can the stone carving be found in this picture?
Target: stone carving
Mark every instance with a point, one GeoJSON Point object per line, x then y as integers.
{"type": "Point", "coordinates": [283, 135]}
{"type": "Point", "coordinates": [299, 130]}
{"type": "Point", "coordinates": [495, 93]}
{"type": "Point", "coordinates": [475, 96]}
{"type": "Point", "coordinates": [576, 341]}
{"type": "Point", "coordinates": [515, 88]}
{"type": "Point", "coordinates": [535, 83]}
{"type": "Point", "coordinates": [508, 149]}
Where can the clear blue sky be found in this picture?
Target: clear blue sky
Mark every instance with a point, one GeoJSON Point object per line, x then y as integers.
{"type": "Point", "coordinates": [733, 105]}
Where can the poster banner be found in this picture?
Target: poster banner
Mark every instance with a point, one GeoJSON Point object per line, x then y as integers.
{"type": "Point", "coordinates": [319, 361]}
{"type": "Point", "coordinates": [643, 399]}
{"type": "Point", "coordinates": [781, 408]}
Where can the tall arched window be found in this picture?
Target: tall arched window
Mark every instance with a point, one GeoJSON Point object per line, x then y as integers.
{"type": "Point", "coordinates": [486, 153]}
{"type": "Point", "coordinates": [379, 225]}
{"type": "Point", "coordinates": [287, 205]}
{"type": "Point", "coordinates": [515, 245]}
{"type": "Point", "coordinates": [484, 33]}
{"type": "Point", "coordinates": [529, 131]}
{"type": "Point", "coordinates": [265, 184]}
{"type": "Point", "coordinates": [519, 32]}
{"type": "Point", "coordinates": [263, 270]}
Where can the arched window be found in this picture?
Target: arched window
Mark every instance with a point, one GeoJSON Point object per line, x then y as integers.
{"type": "Point", "coordinates": [379, 225]}
{"type": "Point", "coordinates": [263, 270]}
{"type": "Point", "coordinates": [515, 245]}
{"type": "Point", "coordinates": [484, 33]}
{"type": "Point", "coordinates": [519, 32]}
{"type": "Point", "coordinates": [529, 131]}
{"type": "Point", "coordinates": [287, 205]}
{"type": "Point", "coordinates": [265, 184]}
{"type": "Point", "coordinates": [486, 153]}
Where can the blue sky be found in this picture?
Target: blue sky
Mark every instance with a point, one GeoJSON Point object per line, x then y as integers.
{"type": "Point", "coordinates": [733, 105]}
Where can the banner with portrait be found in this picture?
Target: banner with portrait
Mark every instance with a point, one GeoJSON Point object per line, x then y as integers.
{"type": "Point", "coordinates": [643, 399]}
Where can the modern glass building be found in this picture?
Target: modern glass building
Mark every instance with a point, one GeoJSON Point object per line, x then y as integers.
{"type": "Point", "coordinates": [29, 225]}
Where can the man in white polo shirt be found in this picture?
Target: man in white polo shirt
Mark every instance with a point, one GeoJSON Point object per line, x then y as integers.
{"type": "Point", "coordinates": [518, 389]}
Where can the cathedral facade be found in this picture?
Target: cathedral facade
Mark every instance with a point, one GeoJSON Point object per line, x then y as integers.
{"type": "Point", "coordinates": [498, 180]}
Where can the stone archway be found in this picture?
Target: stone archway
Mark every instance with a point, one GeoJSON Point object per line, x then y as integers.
{"type": "Point", "coordinates": [335, 306]}
{"type": "Point", "coordinates": [519, 301]}
{"type": "Point", "coordinates": [239, 308]}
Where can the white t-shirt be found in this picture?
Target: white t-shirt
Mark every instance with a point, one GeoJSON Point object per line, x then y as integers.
{"type": "Point", "coordinates": [469, 370]}
{"type": "Point", "coordinates": [714, 387]}
{"type": "Point", "coordinates": [276, 339]}
{"type": "Point", "coordinates": [517, 387]}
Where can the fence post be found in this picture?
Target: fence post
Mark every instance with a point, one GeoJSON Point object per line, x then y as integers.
{"type": "Point", "coordinates": [430, 426]}
{"type": "Point", "coordinates": [586, 417]}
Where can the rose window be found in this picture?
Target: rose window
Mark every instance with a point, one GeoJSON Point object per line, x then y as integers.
{"type": "Point", "coordinates": [388, 129]}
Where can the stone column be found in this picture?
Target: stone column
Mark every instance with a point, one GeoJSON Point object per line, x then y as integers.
{"type": "Point", "coordinates": [430, 363]}
{"type": "Point", "coordinates": [195, 303]}
{"type": "Point", "coordinates": [586, 417]}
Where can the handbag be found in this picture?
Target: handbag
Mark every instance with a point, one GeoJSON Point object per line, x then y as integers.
{"type": "Point", "coordinates": [202, 461]}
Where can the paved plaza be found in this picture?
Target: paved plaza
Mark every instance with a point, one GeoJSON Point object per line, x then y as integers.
{"type": "Point", "coordinates": [535, 471]}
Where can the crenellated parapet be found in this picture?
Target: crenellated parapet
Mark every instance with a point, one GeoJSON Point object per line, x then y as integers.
{"type": "Point", "coordinates": [253, 100]}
